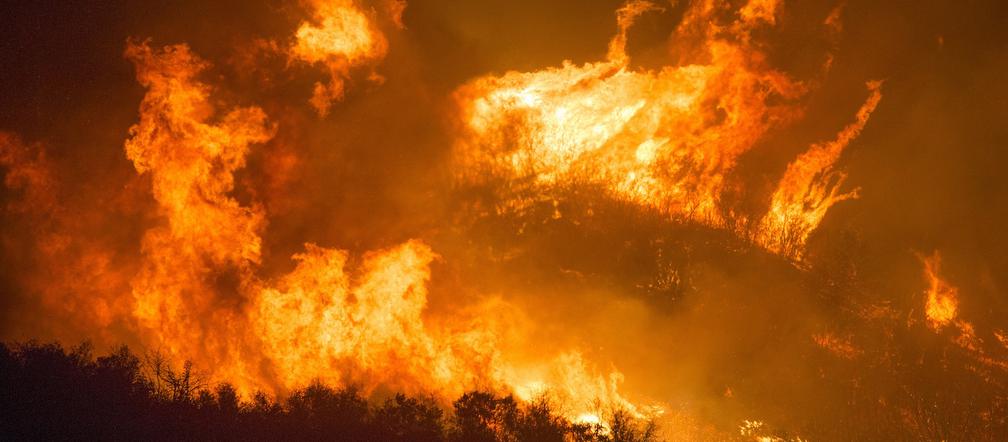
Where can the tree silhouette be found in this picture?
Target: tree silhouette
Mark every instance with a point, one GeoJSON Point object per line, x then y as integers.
{"type": "Point", "coordinates": [50, 393]}
{"type": "Point", "coordinates": [403, 418]}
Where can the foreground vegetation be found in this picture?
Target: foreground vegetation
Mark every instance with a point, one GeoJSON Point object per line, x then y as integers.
{"type": "Point", "coordinates": [51, 393]}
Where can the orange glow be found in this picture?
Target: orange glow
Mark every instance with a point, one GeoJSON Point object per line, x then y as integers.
{"type": "Point", "coordinates": [27, 171]}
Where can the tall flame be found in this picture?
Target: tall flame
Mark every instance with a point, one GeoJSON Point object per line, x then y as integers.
{"type": "Point", "coordinates": [810, 186]}
{"type": "Point", "coordinates": [208, 242]}
{"type": "Point", "coordinates": [318, 318]}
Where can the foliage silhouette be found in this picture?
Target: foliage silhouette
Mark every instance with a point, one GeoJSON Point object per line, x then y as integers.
{"type": "Point", "coordinates": [51, 393]}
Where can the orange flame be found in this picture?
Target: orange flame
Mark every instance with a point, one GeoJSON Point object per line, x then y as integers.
{"type": "Point", "coordinates": [321, 321]}
{"type": "Point", "coordinates": [666, 139]}
{"type": "Point", "coordinates": [810, 186]}
{"type": "Point", "coordinates": [340, 38]}
{"type": "Point", "coordinates": [942, 298]}
{"type": "Point", "coordinates": [208, 242]}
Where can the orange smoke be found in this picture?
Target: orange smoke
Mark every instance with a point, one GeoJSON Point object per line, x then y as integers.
{"type": "Point", "coordinates": [27, 172]}
{"type": "Point", "coordinates": [765, 10]}
{"type": "Point", "coordinates": [80, 279]}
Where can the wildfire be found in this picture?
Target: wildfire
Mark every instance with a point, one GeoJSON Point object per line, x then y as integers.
{"type": "Point", "coordinates": [668, 138]}
{"type": "Point", "coordinates": [208, 244]}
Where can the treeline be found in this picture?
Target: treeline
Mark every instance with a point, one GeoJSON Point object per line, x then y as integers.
{"type": "Point", "coordinates": [51, 393]}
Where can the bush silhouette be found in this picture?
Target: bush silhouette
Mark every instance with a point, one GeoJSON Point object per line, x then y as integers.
{"type": "Point", "coordinates": [51, 393]}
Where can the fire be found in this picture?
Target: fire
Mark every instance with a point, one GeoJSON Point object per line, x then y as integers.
{"type": "Point", "coordinates": [765, 10]}
{"type": "Point", "coordinates": [208, 242]}
{"type": "Point", "coordinates": [667, 139]}
{"type": "Point", "coordinates": [650, 225]}
{"type": "Point", "coordinates": [942, 298]}
{"type": "Point", "coordinates": [318, 318]}
{"type": "Point", "coordinates": [83, 280]}
{"type": "Point", "coordinates": [811, 186]}
{"type": "Point", "coordinates": [199, 295]}
{"type": "Point", "coordinates": [340, 38]}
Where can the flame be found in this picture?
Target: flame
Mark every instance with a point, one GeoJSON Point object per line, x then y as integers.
{"type": "Point", "coordinates": [942, 298]}
{"type": "Point", "coordinates": [340, 37]}
{"type": "Point", "coordinates": [323, 321]}
{"type": "Point", "coordinates": [667, 138]}
{"type": "Point", "coordinates": [662, 138]}
{"type": "Point", "coordinates": [810, 186]}
{"type": "Point", "coordinates": [208, 243]}
{"type": "Point", "coordinates": [319, 318]}
{"type": "Point", "coordinates": [941, 308]}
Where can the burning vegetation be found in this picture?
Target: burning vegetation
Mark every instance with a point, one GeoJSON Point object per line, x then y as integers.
{"type": "Point", "coordinates": [348, 219]}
